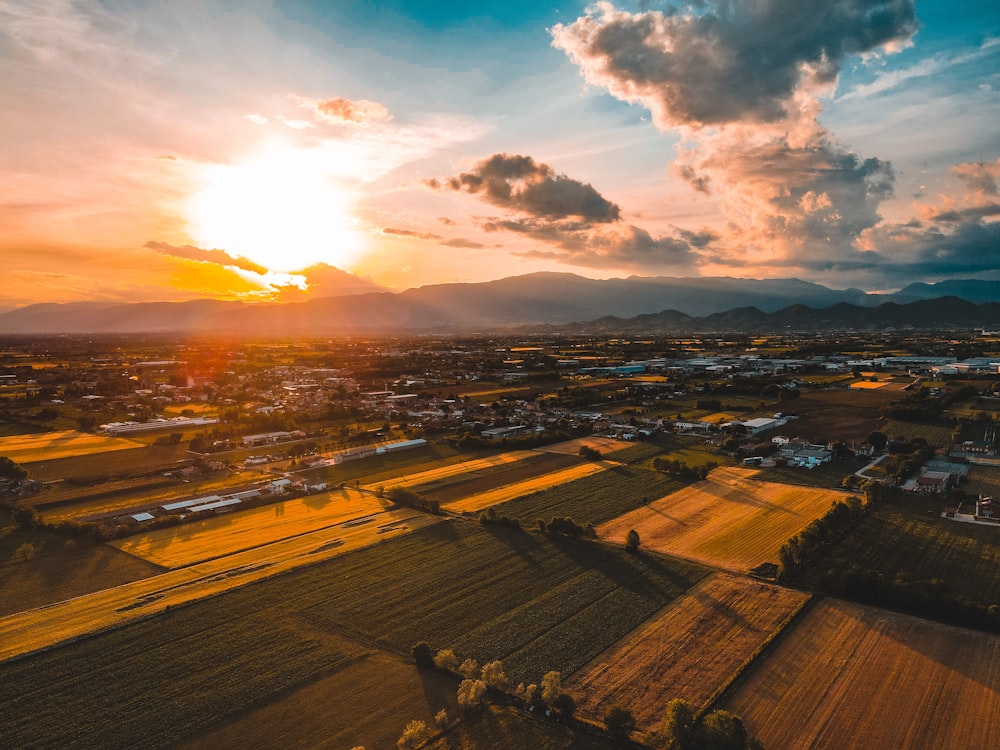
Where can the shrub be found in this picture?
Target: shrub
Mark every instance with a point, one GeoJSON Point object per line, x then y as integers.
{"type": "Point", "coordinates": [620, 723]}
{"type": "Point", "coordinates": [413, 735]}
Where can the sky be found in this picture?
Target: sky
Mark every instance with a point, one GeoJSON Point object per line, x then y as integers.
{"type": "Point", "coordinates": [286, 149]}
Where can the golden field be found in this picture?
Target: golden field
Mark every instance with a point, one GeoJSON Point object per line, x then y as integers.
{"type": "Point", "coordinates": [481, 500]}
{"type": "Point", "coordinates": [691, 650]}
{"type": "Point", "coordinates": [36, 629]}
{"type": "Point", "coordinates": [729, 520]}
{"type": "Point", "coordinates": [451, 470]}
{"type": "Point", "coordinates": [226, 533]}
{"type": "Point", "coordinates": [49, 446]}
{"type": "Point", "coordinates": [849, 677]}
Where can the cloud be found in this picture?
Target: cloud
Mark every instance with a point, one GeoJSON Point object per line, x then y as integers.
{"type": "Point", "coordinates": [455, 242]}
{"type": "Point", "coordinates": [520, 183]}
{"type": "Point", "coordinates": [463, 243]}
{"type": "Point", "coordinates": [734, 61]}
{"type": "Point", "coordinates": [578, 225]}
{"type": "Point", "coordinates": [340, 111]}
{"type": "Point", "coordinates": [219, 257]}
{"type": "Point", "coordinates": [741, 82]}
{"type": "Point", "coordinates": [579, 244]}
{"type": "Point", "coordinates": [410, 233]}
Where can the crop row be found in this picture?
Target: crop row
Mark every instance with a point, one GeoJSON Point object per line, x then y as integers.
{"type": "Point", "coordinates": [156, 682]}
{"type": "Point", "coordinates": [541, 604]}
{"type": "Point", "coordinates": [593, 499]}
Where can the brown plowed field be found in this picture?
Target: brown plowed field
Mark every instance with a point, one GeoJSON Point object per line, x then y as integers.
{"type": "Point", "coordinates": [729, 520]}
{"type": "Point", "coordinates": [838, 414]}
{"type": "Point", "coordinates": [691, 650]}
{"type": "Point", "coordinates": [851, 677]}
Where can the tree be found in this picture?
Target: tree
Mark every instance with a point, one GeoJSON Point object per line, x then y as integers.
{"type": "Point", "coordinates": [877, 440]}
{"type": "Point", "coordinates": [11, 470]}
{"type": "Point", "coordinates": [632, 541]}
{"type": "Point", "coordinates": [423, 655]}
{"type": "Point", "coordinates": [620, 723]}
{"type": "Point", "coordinates": [678, 726]}
{"type": "Point", "coordinates": [445, 659]}
{"type": "Point", "coordinates": [413, 735]}
{"type": "Point", "coordinates": [493, 675]}
{"type": "Point", "coordinates": [722, 730]}
{"type": "Point", "coordinates": [470, 693]}
{"type": "Point", "coordinates": [468, 668]}
{"type": "Point", "coordinates": [551, 687]}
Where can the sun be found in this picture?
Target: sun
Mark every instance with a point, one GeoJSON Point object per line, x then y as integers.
{"type": "Point", "coordinates": [280, 209]}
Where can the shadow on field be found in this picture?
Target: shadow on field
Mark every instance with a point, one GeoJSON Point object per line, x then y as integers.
{"type": "Point", "coordinates": [525, 545]}
{"type": "Point", "coordinates": [631, 571]}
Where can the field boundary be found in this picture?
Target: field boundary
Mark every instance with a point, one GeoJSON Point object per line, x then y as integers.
{"type": "Point", "coordinates": [779, 634]}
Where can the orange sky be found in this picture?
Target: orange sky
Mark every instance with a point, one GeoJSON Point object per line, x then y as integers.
{"type": "Point", "coordinates": [173, 150]}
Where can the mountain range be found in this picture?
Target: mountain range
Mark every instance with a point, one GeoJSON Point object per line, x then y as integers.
{"type": "Point", "coordinates": [551, 299]}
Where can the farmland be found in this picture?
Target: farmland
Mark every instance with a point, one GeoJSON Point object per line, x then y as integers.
{"type": "Point", "coordinates": [109, 608]}
{"type": "Point", "coordinates": [176, 546]}
{"type": "Point", "coordinates": [837, 414]}
{"type": "Point", "coordinates": [51, 446]}
{"type": "Point", "coordinates": [535, 603]}
{"type": "Point", "coordinates": [504, 493]}
{"type": "Point", "coordinates": [51, 577]}
{"type": "Point", "coordinates": [691, 650]}
{"type": "Point", "coordinates": [729, 519]}
{"type": "Point", "coordinates": [904, 537]}
{"type": "Point", "coordinates": [847, 677]}
{"type": "Point", "coordinates": [439, 473]}
{"type": "Point", "coordinates": [463, 486]}
{"type": "Point", "coordinates": [593, 499]}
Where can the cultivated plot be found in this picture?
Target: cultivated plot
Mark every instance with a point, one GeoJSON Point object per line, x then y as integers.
{"type": "Point", "coordinates": [37, 629]}
{"type": "Point", "coordinates": [499, 495]}
{"type": "Point", "coordinates": [49, 446]}
{"type": "Point", "coordinates": [572, 447]}
{"type": "Point", "coordinates": [189, 543]}
{"type": "Point", "coordinates": [848, 676]}
{"type": "Point", "coordinates": [692, 650]}
{"type": "Point", "coordinates": [729, 520]}
{"type": "Point", "coordinates": [451, 470]}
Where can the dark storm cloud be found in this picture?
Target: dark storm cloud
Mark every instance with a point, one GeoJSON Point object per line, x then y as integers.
{"type": "Point", "coordinates": [520, 183]}
{"type": "Point", "coordinates": [736, 61]}
{"type": "Point", "coordinates": [219, 257]}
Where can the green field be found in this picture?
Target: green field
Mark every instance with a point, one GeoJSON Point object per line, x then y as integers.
{"type": "Point", "coordinates": [535, 603]}
{"type": "Point", "coordinates": [593, 499]}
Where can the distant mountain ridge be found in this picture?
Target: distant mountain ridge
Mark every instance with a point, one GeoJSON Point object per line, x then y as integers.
{"type": "Point", "coordinates": [545, 298]}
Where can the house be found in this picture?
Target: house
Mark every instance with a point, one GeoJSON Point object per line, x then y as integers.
{"type": "Point", "coordinates": [279, 486]}
{"type": "Point", "coordinates": [988, 508]}
{"type": "Point", "coordinates": [932, 481]}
